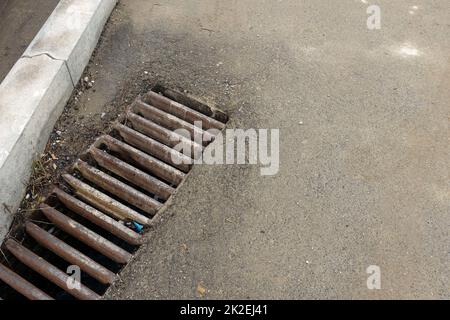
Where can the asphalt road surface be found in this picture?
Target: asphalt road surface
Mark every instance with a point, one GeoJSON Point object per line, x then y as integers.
{"type": "Point", "coordinates": [364, 146]}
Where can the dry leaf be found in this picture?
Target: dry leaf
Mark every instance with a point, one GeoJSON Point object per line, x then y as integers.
{"type": "Point", "coordinates": [201, 290]}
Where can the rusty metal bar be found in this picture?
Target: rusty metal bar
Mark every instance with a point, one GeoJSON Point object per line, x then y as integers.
{"type": "Point", "coordinates": [156, 167]}
{"type": "Point", "coordinates": [171, 122]}
{"type": "Point", "coordinates": [131, 173]}
{"type": "Point", "coordinates": [70, 254]}
{"type": "Point", "coordinates": [163, 135]}
{"type": "Point", "coordinates": [181, 111]}
{"type": "Point", "coordinates": [103, 202]}
{"type": "Point", "coordinates": [118, 188]}
{"type": "Point", "coordinates": [154, 148]}
{"type": "Point", "coordinates": [49, 271]}
{"type": "Point", "coordinates": [21, 285]}
{"type": "Point", "coordinates": [194, 104]}
{"type": "Point", "coordinates": [99, 218]}
{"type": "Point", "coordinates": [86, 235]}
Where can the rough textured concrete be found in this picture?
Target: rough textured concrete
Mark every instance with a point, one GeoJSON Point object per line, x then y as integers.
{"type": "Point", "coordinates": [363, 180]}
{"type": "Point", "coordinates": [71, 32]}
{"type": "Point", "coordinates": [32, 97]}
{"type": "Point", "coordinates": [20, 21]}
{"type": "Point", "coordinates": [37, 88]}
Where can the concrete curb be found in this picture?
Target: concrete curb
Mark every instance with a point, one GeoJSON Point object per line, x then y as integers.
{"type": "Point", "coordinates": [35, 91]}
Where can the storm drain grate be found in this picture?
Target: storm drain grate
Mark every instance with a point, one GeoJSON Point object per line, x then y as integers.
{"type": "Point", "coordinates": [95, 219]}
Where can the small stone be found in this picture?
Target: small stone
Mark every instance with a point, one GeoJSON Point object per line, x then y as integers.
{"type": "Point", "coordinates": [103, 115]}
{"type": "Point", "coordinates": [86, 79]}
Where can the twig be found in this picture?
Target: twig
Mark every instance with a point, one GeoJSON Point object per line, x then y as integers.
{"type": "Point", "coordinates": [4, 256]}
{"type": "Point", "coordinates": [40, 221]}
{"type": "Point", "coordinates": [6, 208]}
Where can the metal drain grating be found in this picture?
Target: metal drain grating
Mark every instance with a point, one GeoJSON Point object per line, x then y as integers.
{"type": "Point", "coordinates": [94, 219]}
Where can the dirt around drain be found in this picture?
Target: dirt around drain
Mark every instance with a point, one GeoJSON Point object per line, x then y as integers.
{"type": "Point", "coordinates": [93, 219]}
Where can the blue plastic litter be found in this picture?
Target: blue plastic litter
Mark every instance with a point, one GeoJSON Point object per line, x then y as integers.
{"type": "Point", "coordinates": [138, 226]}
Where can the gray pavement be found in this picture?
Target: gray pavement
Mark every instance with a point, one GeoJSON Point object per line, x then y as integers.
{"type": "Point", "coordinates": [364, 121]}
{"type": "Point", "coordinates": [19, 23]}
